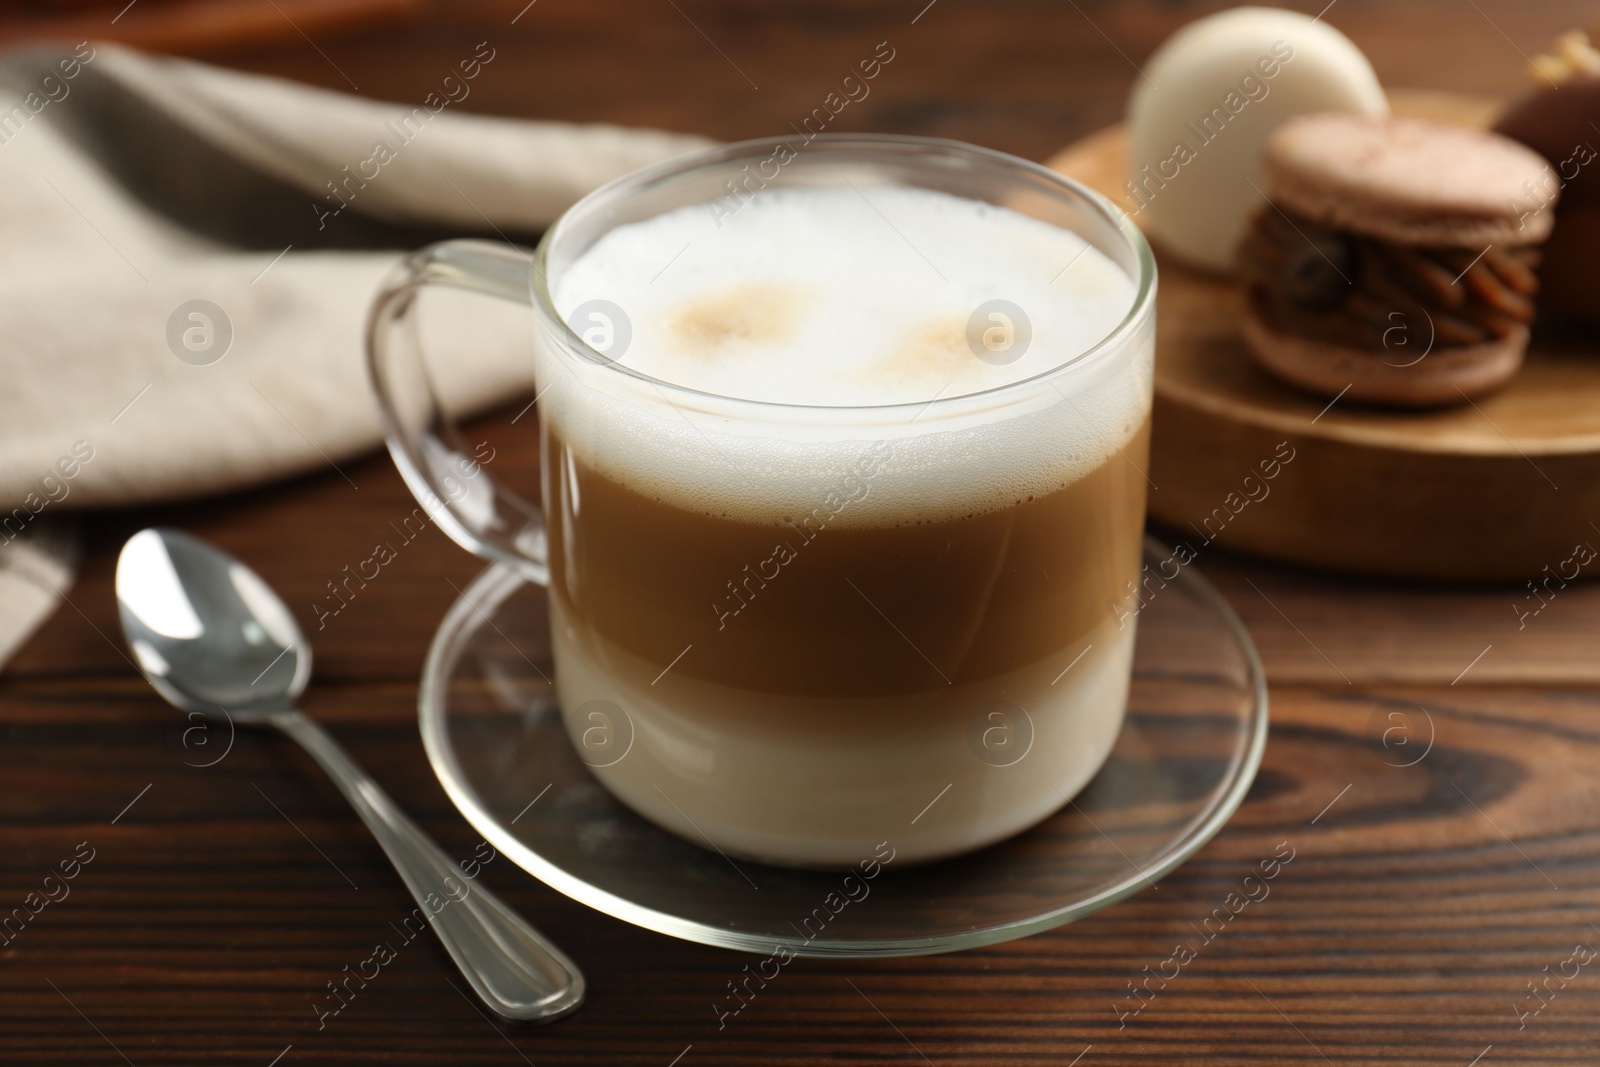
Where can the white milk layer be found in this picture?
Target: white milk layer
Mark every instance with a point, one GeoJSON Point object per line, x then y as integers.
{"type": "Point", "coordinates": [819, 782]}
{"type": "Point", "coordinates": [847, 297]}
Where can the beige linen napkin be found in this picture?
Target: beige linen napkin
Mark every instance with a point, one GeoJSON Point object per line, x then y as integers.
{"type": "Point", "coordinates": [139, 192]}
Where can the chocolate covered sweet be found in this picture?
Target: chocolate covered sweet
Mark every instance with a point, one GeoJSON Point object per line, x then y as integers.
{"type": "Point", "coordinates": [1394, 263]}
{"type": "Point", "coordinates": [1561, 121]}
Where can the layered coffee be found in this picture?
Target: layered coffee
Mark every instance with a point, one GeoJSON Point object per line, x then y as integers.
{"type": "Point", "coordinates": [835, 584]}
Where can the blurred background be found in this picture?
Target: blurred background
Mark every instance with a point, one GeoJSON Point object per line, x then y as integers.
{"type": "Point", "coordinates": [1024, 76]}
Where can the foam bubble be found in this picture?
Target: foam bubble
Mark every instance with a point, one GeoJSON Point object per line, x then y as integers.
{"type": "Point", "coordinates": [850, 296]}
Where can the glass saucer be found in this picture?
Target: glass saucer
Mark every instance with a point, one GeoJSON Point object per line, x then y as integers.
{"type": "Point", "coordinates": [1188, 751]}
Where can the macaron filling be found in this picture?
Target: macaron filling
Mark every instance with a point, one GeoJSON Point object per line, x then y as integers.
{"type": "Point", "coordinates": [1309, 280]}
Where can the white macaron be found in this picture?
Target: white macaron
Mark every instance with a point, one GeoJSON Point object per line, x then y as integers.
{"type": "Point", "coordinates": [1204, 108]}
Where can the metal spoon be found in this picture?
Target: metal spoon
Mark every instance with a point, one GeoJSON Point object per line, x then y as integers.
{"type": "Point", "coordinates": [212, 637]}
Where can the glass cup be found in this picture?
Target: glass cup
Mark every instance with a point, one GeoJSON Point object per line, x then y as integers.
{"type": "Point", "coordinates": [817, 686]}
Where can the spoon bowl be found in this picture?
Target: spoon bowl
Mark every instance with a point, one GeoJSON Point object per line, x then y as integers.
{"type": "Point", "coordinates": [206, 631]}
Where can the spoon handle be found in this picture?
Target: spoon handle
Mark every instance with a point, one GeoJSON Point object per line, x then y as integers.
{"type": "Point", "coordinates": [516, 971]}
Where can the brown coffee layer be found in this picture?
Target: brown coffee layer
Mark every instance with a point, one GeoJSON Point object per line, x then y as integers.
{"type": "Point", "coordinates": [1338, 287]}
{"type": "Point", "coordinates": [816, 607]}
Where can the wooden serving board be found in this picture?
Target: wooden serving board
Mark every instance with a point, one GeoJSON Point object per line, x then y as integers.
{"type": "Point", "coordinates": [1492, 492]}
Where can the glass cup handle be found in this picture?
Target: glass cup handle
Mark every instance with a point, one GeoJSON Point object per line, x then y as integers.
{"type": "Point", "coordinates": [457, 493]}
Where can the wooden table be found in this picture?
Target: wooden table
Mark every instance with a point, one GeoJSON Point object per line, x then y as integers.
{"type": "Point", "coordinates": [1424, 901]}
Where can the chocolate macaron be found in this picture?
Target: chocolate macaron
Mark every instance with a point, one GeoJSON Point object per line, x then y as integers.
{"type": "Point", "coordinates": [1395, 263]}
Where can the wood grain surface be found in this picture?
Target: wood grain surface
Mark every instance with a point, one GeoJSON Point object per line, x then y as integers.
{"type": "Point", "coordinates": [1422, 904]}
{"type": "Point", "coordinates": [194, 25]}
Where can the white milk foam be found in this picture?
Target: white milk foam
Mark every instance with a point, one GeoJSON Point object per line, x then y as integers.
{"type": "Point", "coordinates": [834, 296]}
{"type": "Point", "coordinates": [847, 297]}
